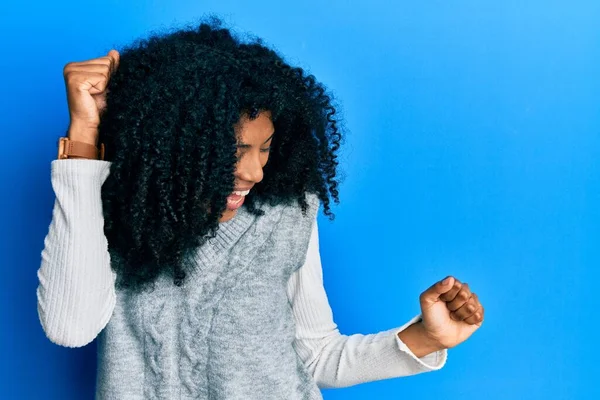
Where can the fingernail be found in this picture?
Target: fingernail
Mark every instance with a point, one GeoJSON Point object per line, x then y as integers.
{"type": "Point", "coordinates": [446, 281]}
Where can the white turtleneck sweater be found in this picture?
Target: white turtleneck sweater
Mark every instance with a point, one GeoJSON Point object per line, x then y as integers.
{"type": "Point", "coordinates": [76, 293]}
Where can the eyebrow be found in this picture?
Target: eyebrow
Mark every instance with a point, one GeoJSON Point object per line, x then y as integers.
{"type": "Point", "coordinates": [241, 144]}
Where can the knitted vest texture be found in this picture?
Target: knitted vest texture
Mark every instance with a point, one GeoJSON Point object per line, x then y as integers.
{"type": "Point", "coordinates": [228, 332]}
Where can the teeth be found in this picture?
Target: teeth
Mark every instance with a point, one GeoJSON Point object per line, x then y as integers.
{"type": "Point", "coordinates": [242, 193]}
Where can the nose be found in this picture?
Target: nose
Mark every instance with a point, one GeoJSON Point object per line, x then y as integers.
{"type": "Point", "coordinates": [249, 168]}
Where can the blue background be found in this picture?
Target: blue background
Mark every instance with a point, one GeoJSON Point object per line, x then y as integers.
{"type": "Point", "coordinates": [472, 150]}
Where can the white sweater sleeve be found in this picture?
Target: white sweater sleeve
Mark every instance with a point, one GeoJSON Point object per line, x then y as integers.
{"type": "Point", "coordinates": [76, 294]}
{"type": "Point", "coordinates": [337, 360]}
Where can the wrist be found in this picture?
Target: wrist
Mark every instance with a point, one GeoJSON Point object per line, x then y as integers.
{"type": "Point", "coordinates": [82, 132]}
{"type": "Point", "coordinates": [419, 342]}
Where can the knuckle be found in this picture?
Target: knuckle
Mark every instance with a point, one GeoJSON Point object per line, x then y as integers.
{"type": "Point", "coordinates": [67, 68]}
{"type": "Point", "coordinates": [466, 288]}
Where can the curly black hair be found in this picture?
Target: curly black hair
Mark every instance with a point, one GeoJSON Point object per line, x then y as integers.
{"type": "Point", "coordinates": [168, 128]}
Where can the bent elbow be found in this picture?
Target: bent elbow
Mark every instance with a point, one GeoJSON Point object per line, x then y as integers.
{"type": "Point", "coordinates": [65, 335]}
{"type": "Point", "coordinates": [68, 331]}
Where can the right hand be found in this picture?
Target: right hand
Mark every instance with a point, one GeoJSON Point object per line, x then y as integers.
{"type": "Point", "coordinates": [86, 84]}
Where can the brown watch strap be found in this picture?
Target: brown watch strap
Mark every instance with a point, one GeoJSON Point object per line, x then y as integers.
{"type": "Point", "coordinates": [68, 148]}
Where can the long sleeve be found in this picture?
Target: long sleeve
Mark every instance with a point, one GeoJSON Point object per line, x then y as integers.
{"type": "Point", "coordinates": [337, 360]}
{"type": "Point", "coordinates": [76, 294]}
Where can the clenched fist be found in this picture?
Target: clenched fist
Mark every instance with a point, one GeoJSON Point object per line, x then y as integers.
{"type": "Point", "coordinates": [450, 311]}
{"type": "Point", "coordinates": [86, 84]}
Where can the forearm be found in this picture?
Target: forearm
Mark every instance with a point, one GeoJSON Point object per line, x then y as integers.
{"type": "Point", "coordinates": [76, 284]}
{"type": "Point", "coordinates": [349, 360]}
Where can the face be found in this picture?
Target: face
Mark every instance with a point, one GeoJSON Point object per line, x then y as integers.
{"type": "Point", "coordinates": [254, 141]}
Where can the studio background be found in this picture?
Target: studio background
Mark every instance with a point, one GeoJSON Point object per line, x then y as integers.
{"type": "Point", "coordinates": [472, 149]}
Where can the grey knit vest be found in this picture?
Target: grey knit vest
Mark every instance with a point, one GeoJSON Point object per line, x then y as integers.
{"type": "Point", "coordinates": [228, 332]}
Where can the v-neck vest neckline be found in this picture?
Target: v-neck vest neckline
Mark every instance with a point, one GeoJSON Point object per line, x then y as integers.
{"type": "Point", "coordinates": [227, 235]}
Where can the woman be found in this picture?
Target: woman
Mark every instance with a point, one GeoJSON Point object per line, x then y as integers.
{"type": "Point", "coordinates": [184, 233]}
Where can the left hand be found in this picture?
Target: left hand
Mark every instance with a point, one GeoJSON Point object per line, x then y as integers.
{"type": "Point", "coordinates": [451, 312]}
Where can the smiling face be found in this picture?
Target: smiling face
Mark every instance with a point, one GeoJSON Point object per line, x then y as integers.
{"type": "Point", "coordinates": [254, 138]}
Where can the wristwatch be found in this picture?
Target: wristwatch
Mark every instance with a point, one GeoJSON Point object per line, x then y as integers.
{"type": "Point", "coordinates": [68, 148]}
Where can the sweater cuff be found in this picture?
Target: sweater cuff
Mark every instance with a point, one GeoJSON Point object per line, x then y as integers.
{"type": "Point", "coordinates": [70, 169]}
{"type": "Point", "coordinates": [431, 362]}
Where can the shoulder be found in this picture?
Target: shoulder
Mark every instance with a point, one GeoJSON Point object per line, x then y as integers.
{"type": "Point", "coordinates": [297, 212]}
{"type": "Point", "coordinates": [291, 218]}
{"type": "Point", "coordinates": [297, 222]}
{"type": "Point", "coordinates": [293, 207]}
{"type": "Point", "coordinates": [313, 201]}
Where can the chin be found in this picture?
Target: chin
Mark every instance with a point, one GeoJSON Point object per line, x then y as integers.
{"type": "Point", "coordinates": [227, 215]}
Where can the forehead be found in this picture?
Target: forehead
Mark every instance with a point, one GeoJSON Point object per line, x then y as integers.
{"type": "Point", "coordinates": [255, 130]}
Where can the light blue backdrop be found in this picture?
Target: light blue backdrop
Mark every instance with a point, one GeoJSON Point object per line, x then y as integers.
{"type": "Point", "coordinates": [474, 137]}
